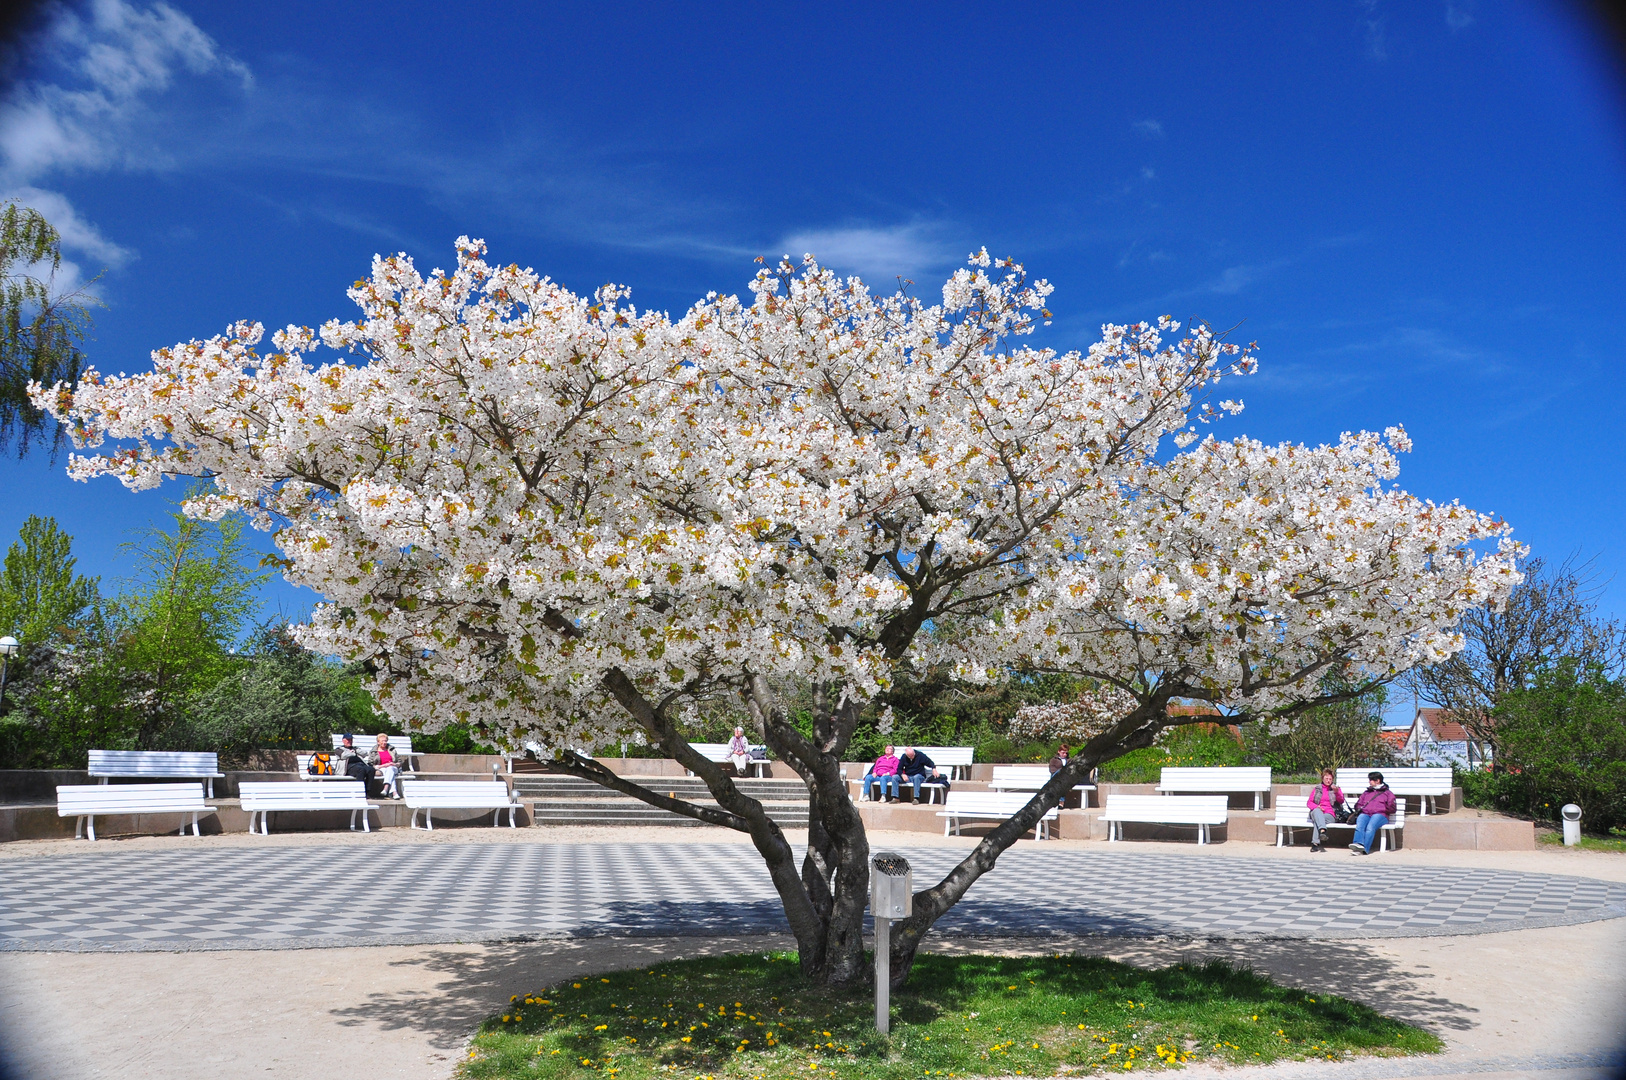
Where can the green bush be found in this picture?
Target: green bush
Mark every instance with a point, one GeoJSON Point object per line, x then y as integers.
{"type": "Point", "coordinates": [1194, 746]}
{"type": "Point", "coordinates": [1562, 740]}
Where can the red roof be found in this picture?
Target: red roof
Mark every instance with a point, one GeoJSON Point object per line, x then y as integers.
{"type": "Point", "coordinates": [1395, 737]}
{"type": "Point", "coordinates": [1193, 710]}
{"type": "Point", "coordinates": [1445, 728]}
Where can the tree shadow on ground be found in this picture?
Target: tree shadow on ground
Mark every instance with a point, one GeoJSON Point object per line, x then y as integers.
{"type": "Point", "coordinates": [458, 986]}
{"type": "Point", "coordinates": [467, 983]}
{"type": "Point", "coordinates": [1353, 969]}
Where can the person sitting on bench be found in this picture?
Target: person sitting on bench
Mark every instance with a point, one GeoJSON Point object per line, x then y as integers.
{"type": "Point", "coordinates": [351, 763]}
{"type": "Point", "coordinates": [739, 752]}
{"type": "Point", "coordinates": [919, 769]}
{"type": "Point", "coordinates": [884, 776]}
{"type": "Point", "coordinates": [1324, 802]}
{"type": "Point", "coordinates": [1373, 810]}
{"type": "Point", "coordinates": [388, 767]}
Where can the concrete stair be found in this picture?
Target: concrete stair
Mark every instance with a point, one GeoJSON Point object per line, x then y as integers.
{"type": "Point", "coordinates": [568, 800]}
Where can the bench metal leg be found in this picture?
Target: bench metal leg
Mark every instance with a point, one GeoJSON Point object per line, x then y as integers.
{"type": "Point", "coordinates": [1202, 834]}
{"type": "Point", "coordinates": [1258, 800]}
{"type": "Point", "coordinates": [428, 819]}
{"type": "Point", "coordinates": [211, 783]}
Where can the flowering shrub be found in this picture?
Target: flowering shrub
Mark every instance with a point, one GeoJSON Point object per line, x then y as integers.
{"type": "Point", "coordinates": [1073, 721]}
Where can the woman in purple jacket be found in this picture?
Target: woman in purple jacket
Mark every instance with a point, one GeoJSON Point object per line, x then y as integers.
{"type": "Point", "coordinates": [1372, 812]}
{"type": "Point", "coordinates": [1324, 802]}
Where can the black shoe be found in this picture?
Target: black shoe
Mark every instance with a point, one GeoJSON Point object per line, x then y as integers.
{"type": "Point", "coordinates": [1317, 848]}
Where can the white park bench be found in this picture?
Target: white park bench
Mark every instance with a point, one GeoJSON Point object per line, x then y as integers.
{"type": "Point", "coordinates": [86, 801]}
{"type": "Point", "coordinates": [152, 764]}
{"type": "Point", "coordinates": [989, 806]}
{"type": "Point", "coordinates": [1289, 818]}
{"type": "Point", "coordinates": [304, 765]}
{"type": "Point", "coordinates": [400, 746]}
{"type": "Point", "coordinates": [264, 798]}
{"type": "Point", "coordinates": [1192, 780]}
{"type": "Point", "coordinates": [432, 795]}
{"type": "Point", "coordinates": [1427, 783]}
{"type": "Point", "coordinates": [954, 760]}
{"type": "Point", "coordinates": [934, 790]}
{"type": "Point", "coordinates": [718, 752]}
{"type": "Point", "coordinates": [1028, 778]}
{"type": "Point", "coordinates": [1202, 811]}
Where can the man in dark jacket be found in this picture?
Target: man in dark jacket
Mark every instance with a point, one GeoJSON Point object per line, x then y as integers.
{"type": "Point", "coordinates": [919, 769]}
{"type": "Point", "coordinates": [1372, 812]}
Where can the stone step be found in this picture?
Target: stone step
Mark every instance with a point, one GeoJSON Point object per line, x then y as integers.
{"type": "Point", "coordinates": [533, 786]}
{"type": "Point", "coordinates": [634, 813]}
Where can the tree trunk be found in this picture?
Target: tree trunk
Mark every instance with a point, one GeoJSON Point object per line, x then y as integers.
{"type": "Point", "coordinates": [825, 903]}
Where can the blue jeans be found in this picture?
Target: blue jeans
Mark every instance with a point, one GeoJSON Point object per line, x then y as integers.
{"type": "Point", "coordinates": [921, 778]}
{"type": "Point", "coordinates": [1366, 828]}
{"type": "Point", "coordinates": [882, 782]}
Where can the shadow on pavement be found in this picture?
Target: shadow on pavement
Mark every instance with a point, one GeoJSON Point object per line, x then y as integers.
{"type": "Point", "coordinates": [465, 984]}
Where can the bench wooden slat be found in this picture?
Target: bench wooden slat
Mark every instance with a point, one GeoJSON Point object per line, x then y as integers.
{"type": "Point", "coordinates": [86, 801]}
{"type": "Point", "coordinates": [143, 764]}
{"type": "Point", "coordinates": [990, 806]}
{"type": "Point", "coordinates": [263, 797]}
{"type": "Point", "coordinates": [400, 746]}
{"type": "Point", "coordinates": [431, 795]}
{"type": "Point", "coordinates": [1239, 778]}
{"type": "Point", "coordinates": [1025, 778]}
{"type": "Point", "coordinates": [956, 759]}
{"type": "Point", "coordinates": [1427, 782]}
{"type": "Point", "coordinates": [1202, 811]}
{"type": "Point", "coordinates": [718, 752]}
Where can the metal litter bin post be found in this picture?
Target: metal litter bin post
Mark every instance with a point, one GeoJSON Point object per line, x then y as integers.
{"type": "Point", "coordinates": [891, 896]}
{"type": "Point", "coordinates": [1572, 824]}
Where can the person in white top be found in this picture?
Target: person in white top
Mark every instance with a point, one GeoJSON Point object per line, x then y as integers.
{"type": "Point", "coordinates": [739, 752]}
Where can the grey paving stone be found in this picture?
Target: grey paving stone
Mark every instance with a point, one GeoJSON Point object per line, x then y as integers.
{"type": "Point", "coordinates": [240, 898]}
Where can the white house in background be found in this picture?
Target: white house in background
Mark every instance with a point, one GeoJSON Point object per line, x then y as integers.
{"type": "Point", "coordinates": [1435, 738]}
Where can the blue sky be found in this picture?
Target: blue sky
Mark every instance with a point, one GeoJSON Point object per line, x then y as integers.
{"type": "Point", "coordinates": [1417, 209]}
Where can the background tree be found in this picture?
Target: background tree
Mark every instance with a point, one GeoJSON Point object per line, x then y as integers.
{"type": "Point", "coordinates": [560, 519]}
{"type": "Point", "coordinates": [1551, 616]}
{"type": "Point", "coordinates": [1345, 732]}
{"type": "Point", "coordinates": [41, 598]}
{"type": "Point", "coordinates": [41, 330]}
{"type": "Point", "coordinates": [1562, 739]}
{"type": "Point", "coordinates": [177, 626]}
{"type": "Point", "coordinates": [281, 696]}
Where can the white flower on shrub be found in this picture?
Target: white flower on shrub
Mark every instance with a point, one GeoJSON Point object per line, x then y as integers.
{"type": "Point", "coordinates": [1074, 721]}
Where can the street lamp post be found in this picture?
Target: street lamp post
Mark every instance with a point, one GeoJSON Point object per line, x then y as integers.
{"type": "Point", "coordinates": [8, 649]}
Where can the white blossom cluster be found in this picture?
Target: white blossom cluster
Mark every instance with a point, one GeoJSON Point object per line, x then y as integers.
{"type": "Point", "coordinates": [505, 491]}
{"type": "Point", "coordinates": [1075, 721]}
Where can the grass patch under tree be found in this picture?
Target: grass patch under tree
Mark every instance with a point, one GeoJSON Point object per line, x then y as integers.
{"type": "Point", "coordinates": [754, 1016]}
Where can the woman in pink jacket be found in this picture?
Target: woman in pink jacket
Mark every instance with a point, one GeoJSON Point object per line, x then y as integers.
{"type": "Point", "coordinates": [1323, 802]}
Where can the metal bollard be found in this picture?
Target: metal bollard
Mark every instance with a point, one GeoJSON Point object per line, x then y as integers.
{"type": "Point", "coordinates": [1572, 824]}
{"type": "Point", "coordinates": [891, 896]}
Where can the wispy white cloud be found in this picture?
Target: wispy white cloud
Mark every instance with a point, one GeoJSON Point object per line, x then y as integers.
{"type": "Point", "coordinates": [1375, 24]}
{"type": "Point", "coordinates": [876, 254]}
{"type": "Point", "coordinates": [112, 61]}
{"type": "Point", "coordinates": [1151, 129]}
{"type": "Point", "coordinates": [1459, 14]}
{"type": "Point", "coordinates": [81, 240]}
{"type": "Point", "coordinates": [100, 115]}
{"type": "Point", "coordinates": [1234, 279]}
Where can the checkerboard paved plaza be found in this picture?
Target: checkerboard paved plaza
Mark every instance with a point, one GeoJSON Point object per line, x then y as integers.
{"type": "Point", "coordinates": [289, 897]}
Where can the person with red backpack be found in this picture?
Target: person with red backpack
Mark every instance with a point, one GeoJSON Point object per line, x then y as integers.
{"type": "Point", "coordinates": [1324, 802]}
